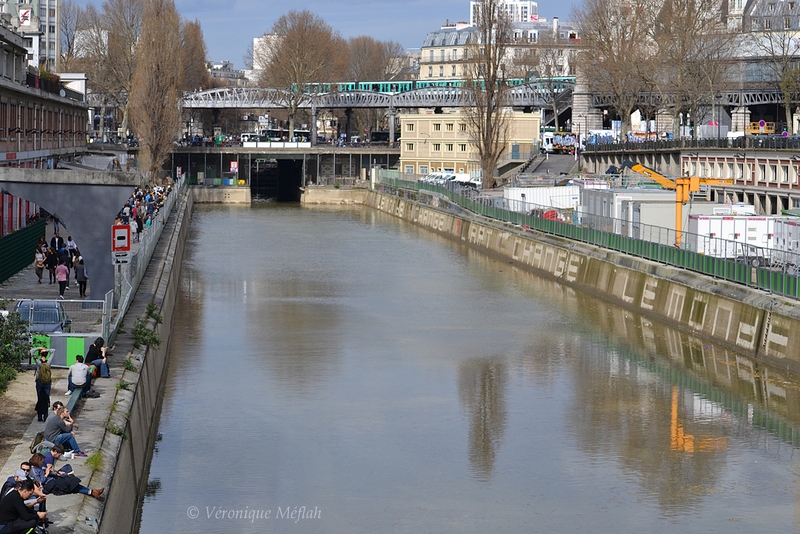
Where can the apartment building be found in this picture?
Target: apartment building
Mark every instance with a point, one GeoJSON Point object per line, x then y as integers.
{"type": "Point", "coordinates": [432, 142]}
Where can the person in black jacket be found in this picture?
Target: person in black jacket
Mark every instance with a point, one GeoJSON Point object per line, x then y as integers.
{"type": "Point", "coordinates": [14, 515]}
{"type": "Point", "coordinates": [57, 242]}
{"type": "Point", "coordinates": [51, 262]}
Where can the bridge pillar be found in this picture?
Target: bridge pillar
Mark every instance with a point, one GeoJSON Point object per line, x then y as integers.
{"type": "Point", "coordinates": [392, 114]}
{"type": "Point", "coordinates": [313, 128]}
{"type": "Point", "coordinates": [740, 119]}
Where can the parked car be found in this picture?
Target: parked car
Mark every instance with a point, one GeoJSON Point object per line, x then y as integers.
{"type": "Point", "coordinates": [46, 316]}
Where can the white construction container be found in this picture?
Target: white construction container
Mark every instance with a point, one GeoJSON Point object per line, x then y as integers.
{"type": "Point", "coordinates": [787, 234]}
{"type": "Point", "coordinates": [733, 236]}
{"type": "Point", "coordinates": [524, 199]}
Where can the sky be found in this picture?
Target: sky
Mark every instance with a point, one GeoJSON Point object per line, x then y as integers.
{"type": "Point", "coordinates": [230, 26]}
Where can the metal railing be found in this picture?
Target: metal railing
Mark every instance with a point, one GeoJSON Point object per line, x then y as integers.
{"type": "Point", "coordinates": [758, 267]}
{"type": "Point", "coordinates": [757, 142]}
{"type": "Point", "coordinates": [130, 275]}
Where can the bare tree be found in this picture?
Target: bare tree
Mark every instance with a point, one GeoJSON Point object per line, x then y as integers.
{"type": "Point", "coordinates": [154, 97]}
{"type": "Point", "coordinates": [543, 61]}
{"type": "Point", "coordinates": [108, 43]}
{"type": "Point", "coordinates": [775, 36]}
{"type": "Point", "coordinates": [304, 51]}
{"type": "Point", "coordinates": [693, 56]}
{"type": "Point", "coordinates": [616, 50]}
{"type": "Point", "coordinates": [70, 15]}
{"type": "Point", "coordinates": [370, 59]}
{"type": "Point", "coordinates": [485, 85]}
{"type": "Point", "coordinates": [193, 48]}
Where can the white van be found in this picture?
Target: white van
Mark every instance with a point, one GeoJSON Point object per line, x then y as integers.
{"type": "Point", "coordinates": [547, 141]}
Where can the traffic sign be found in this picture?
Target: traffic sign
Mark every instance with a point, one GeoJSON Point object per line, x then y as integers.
{"type": "Point", "coordinates": [120, 238]}
{"type": "Point", "coordinates": [118, 258]}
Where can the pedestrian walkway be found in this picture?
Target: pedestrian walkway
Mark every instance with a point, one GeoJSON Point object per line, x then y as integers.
{"type": "Point", "coordinates": [77, 513]}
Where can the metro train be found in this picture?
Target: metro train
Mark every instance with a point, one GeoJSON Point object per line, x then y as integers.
{"type": "Point", "coordinates": [402, 86]}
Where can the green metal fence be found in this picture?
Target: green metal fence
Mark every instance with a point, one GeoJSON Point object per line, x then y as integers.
{"type": "Point", "coordinates": [18, 249]}
{"type": "Point", "coordinates": [757, 277]}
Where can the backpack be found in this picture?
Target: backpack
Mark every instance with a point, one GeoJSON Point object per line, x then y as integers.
{"type": "Point", "coordinates": [37, 439]}
{"type": "Point", "coordinates": [45, 374]}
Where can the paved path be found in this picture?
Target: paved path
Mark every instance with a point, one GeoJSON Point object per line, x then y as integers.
{"type": "Point", "coordinates": [74, 513]}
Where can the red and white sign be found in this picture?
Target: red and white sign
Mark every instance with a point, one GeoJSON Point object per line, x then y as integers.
{"type": "Point", "coordinates": [120, 238]}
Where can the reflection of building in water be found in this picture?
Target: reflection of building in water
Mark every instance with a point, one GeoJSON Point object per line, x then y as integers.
{"type": "Point", "coordinates": [482, 391]}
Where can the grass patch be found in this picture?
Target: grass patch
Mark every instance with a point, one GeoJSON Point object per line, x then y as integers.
{"type": "Point", "coordinates": [152, 312]}
{"type": "Point", "coordinates": [95, 461]}
{"type": "Point", "coordinates": [122, 384]}
{"type": "Point", "coordinates": [127, 363]}
{"type": "Point", "coordinates": [143, 335]}
{"type": "Point", "coordinates": [116, 430]}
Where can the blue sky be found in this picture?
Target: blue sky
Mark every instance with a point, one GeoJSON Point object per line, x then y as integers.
{"type": "Point", "coordinates": [229, 26]}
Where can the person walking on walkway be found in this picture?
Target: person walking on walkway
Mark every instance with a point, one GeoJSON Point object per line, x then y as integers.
{"type": "Point", "coordinates": [51, 262]}
{"type": "Point", "coordinates": [44, 379]}
{"type": "Point", "coordinates": [38, 263]}
{"type": "Point", "coordinates": [81, 276]}
{"type": "Point", "coordinates": [62, 275]}
{"type": "Point", "coordinates": [57, 242]}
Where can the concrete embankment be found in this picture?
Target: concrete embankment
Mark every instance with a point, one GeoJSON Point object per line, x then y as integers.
{"type": "Point", "coordinates": [137, 407]}
{"type": "Point", "coordinates": [333, 195]}
{"type": "Point", "coordinates": [752, 322]}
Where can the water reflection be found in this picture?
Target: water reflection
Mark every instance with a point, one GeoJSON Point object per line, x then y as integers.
{"type": "Point", "coordinates": [297, 324]}
{"type": "Point", "coordinates": [482, 394]}
{"type": "Point", "coordinates": [360, 368]}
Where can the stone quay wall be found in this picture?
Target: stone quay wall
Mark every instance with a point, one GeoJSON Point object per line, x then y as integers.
{"type": "Point", "coordinates": [755, 323]}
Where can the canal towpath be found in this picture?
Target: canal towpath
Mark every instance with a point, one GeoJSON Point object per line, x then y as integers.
{"type": "Point", "coordinates": [75, 513]}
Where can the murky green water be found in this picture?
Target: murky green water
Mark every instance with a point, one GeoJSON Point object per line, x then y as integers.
{"type": "Point", "coordinates": [389, 380]}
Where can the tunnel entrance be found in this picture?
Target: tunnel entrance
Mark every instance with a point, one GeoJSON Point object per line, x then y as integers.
{"type": "Point", "coordinates": [278, 179]}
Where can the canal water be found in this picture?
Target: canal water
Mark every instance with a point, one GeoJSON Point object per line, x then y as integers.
{"type": "Point", "coordinates": [338, 370]}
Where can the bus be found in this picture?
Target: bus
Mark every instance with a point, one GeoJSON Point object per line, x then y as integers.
{"type": "Point", "coordinates": [282, 134]}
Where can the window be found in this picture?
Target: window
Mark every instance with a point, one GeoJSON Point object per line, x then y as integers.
{"type": "Point", "coordinates": [437, 127]}
{"type": "Point", "coordinates": [423, 169]}
{"type": "Point", "coordinates": [762, 172]}
{"type": "Point", "coordinates": [410, 127]}
{"type": "Point", "coordinates": [454, 71]}
{"type": "Point", "coordinates": [441, 55]}
{"type": "Point", "coordinates": [449, 127]}
{"type": "Point", "coordinates": [437, 147]}
{"type": "Point", "coordinates": [767, 23]}
{"type": "Point", "coordinates": [441, 71]}
{"type": "Point", "coordinates": [431, 55]}
{"type": "Point", "coordinates": [409, 146]}
{"type": "Point", "coordinates": [773, 173]}
{"type": "Point", "coordinates": [785, 174]}
{"type": "Point", "coordinates": [455, 54]}
{"type": "Point", "coordinates": [430, 72]}
{"type": "Point", "coordinates": [462, 147]}
{"type": "Point", "coordinates": [448, 147]}
{"type": "Point", "coordinates": [409, 169]}
{"type": "Point", "coordinates": [462, 127]}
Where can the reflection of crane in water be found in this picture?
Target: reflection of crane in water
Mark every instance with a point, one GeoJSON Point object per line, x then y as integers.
{"type": "Point", "coordinates": [683, 442]}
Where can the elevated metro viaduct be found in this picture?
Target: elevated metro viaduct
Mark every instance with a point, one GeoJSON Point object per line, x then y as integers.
{"type": "Point", "coordinates": [86, 203]}
{"type": "Point", "coordinates": [769, 179]}
{"type": "Point", "coordinates": [280, 172]}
